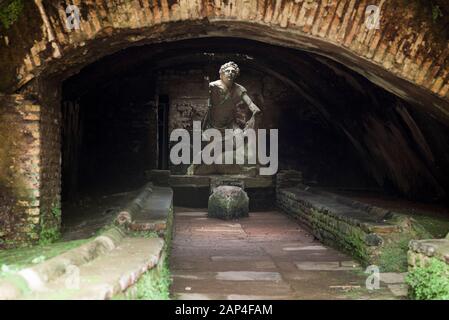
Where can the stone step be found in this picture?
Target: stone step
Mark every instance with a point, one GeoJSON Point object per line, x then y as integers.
{"type": "Point", "coordinates": [107, 275]}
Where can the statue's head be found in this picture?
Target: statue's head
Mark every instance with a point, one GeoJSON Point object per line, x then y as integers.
{"type": "Point", "coordinates": [229, 71]}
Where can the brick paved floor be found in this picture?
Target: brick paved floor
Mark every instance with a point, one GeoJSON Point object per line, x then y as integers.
{"type": "Point", "coordinates": [265, 256]}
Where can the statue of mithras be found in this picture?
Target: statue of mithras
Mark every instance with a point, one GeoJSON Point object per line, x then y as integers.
{"type": "Point", "coordinates": [225, 95]}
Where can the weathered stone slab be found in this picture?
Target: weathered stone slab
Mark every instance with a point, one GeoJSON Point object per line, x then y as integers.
{"type": "Point", "coordinates": [194, 296]}
{"type": "Point", "coordinates": [191, 214]}
{"type": "Point", "coordinates": [322, 266]}
{"type": "Point", "coordinates": [232, 258]}
{"type": "Point", "coordinates": [399, 290]}
{"type": "Point", "coordinates": [306, 248]}
{"type": "Point", "coordinates": [264, 265]}
{"type": "Point", "coordinates": [351, 264]}
{"type": "Point", "coordinates": [248, 276]}
{"type": "Point", "coordinates": [393, 277]}
{"type": "Point", "coordinates": [228, 202]}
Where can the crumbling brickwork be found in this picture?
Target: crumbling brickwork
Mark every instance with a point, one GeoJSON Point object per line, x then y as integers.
{"type": "Point", "coordinates": [20, 174]}
{"type": "Point", "coordinates": [408, 44]}
{"type": "Point", "coordinates": [50, 175]}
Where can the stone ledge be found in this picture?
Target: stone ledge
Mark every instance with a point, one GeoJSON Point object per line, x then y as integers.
{"type": "Point", "coordinates": [35, 278]}
{"type": "Point", "coordinates": [37, 282]}
{"type": "Point", "coordinates": [421, 251]}
{"type": "Point", "coordinates": [361, 230]}
{"type": "Point", "coordinates": [124, 218]}
{"type": "Point", "coordinates": [108, 275]}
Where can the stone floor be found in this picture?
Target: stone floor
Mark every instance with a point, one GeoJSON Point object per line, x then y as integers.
{"type": "Point", "coordinates": [265, 256]}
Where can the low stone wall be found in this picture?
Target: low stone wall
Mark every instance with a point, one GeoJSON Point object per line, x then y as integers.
{"type": "Point", "coordinates": [35, 278]}
{"type": "Point", "coordinates": [131, 293]}
{"type": "Point", "coordinates": [363, 231]}
{"type": "Point", "coordinates": [32, 282]}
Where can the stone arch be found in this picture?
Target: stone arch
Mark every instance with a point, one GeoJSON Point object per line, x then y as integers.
{"type": "Point", "coordinates": [397, 56]}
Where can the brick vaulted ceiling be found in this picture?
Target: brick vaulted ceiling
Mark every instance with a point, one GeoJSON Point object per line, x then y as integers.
{"type": "Point", "coordinates": [406, 55]}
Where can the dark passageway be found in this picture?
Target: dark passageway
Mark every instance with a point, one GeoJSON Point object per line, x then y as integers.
{"type": "Point", "coordinates": [335, 126]}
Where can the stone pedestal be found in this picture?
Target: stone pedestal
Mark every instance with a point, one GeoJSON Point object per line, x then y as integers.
{"type": "Point", "coordinates": [228, 202]}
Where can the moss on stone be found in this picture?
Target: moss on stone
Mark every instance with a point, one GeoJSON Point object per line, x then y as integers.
{"type": "Point", "coordinates": [23, 257]}
{"type": "Point", "coordinates": [393, 255]}
{"type": "Point", "coordinates": [433, 13]}
{"type": "Point", "coordinates": [358, 247]}
{"type": "Point", "coordinates": [50, 222]}
{"type": "Point", "coordinates": [144, 234]}
{"type": "Point", "coordinates": [10, 12]}
{"type": "Point", "coordinates": [155, 283]}
{"type": "Point", "coordinates": [437, 226]}
{"type": "Point", "coordinates": [169, 232]}
{"type": "Point", "coordinates": [228, 202]}
{"type": "Point", "coordinates": [387, 249]}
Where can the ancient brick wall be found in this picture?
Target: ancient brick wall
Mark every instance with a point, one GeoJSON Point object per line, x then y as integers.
{"type": "Point", "coordinates": [187, 93]}
{"type": "Point", "coordinates": [20, 170]}
{"type": "Point", "coordinates": [187, 96]}
{"type": "Point", "coordinates": [50, 162]}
